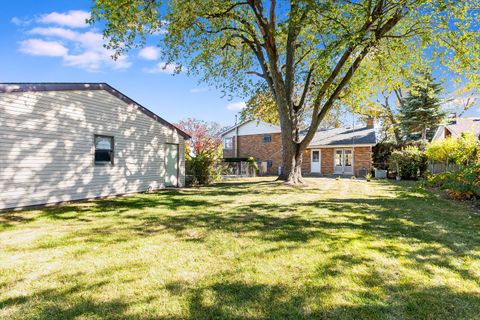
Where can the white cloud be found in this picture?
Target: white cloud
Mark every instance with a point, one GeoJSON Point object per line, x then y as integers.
{"type": "Point", "coordinates": [236, 106]}
{"type": "Point", "coordinates": [86, 49]}
{"type": "Point", "coordinates": [55, 32]}
{"type": "Point", "coordinates": [93, 61]}
{"type": "Point", "coordinates": [19, 22]}
{"type": "Point", "coordinates": [38, 47]}
{"type": "Point", "coordinates": [163, 67]}
{"type": "Point", "coordinates": [149, 53]}
{"type": "Point", "coordinates": [72, 18]}
{"type": "Point", "coordinates": [198, 90]}
{"type": "Point", "coordinates": [80, 49]}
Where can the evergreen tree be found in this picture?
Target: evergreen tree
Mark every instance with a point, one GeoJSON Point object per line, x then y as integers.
{"type": "Point", "coordinates": [420, 111]}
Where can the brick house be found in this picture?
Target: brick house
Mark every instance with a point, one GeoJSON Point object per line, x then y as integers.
{"type": "Point", "coordinates": [337, 151]}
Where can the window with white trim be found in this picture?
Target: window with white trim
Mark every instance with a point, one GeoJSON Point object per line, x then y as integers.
{"type": "Point", "coordinates": [228, 143]}
{"type": "Point", "coordinates": [103, 150]}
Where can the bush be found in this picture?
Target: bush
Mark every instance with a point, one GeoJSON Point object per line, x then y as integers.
{"type": "Point", "coordinates": [409, 163]}
{"type": "Point", "coordinates": [204, 168]}
{"type": "Point", "coordinates": [383, 151]}
{"type": "Point", "coordinates": [252, 166]}
{"type": "Point", "coordinates": [463, 150]}
{"type": "Point", "coordinates": [463, 184]}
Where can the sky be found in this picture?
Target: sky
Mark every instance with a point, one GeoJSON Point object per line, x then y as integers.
{"type": "Point", "coordinates": [49, 41]}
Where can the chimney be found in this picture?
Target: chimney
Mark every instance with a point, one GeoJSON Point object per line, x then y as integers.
{"type": "Point", "coordinates": [370, 122]}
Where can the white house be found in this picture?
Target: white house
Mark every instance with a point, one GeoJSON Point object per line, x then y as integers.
{"type": "Point", "coordinates": [69, 141]}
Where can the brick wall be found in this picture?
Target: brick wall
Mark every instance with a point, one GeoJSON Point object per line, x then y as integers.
{"type": "Point", "coordinates": [306, 162]}
{"type": "Point", "coordinates": [327, 161]}
{"type": "Point", "coordinates": [362, 158]}
{"type": "Point", "coordinates": [253, 145]}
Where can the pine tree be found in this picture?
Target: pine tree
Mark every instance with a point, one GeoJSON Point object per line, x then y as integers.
{"type": "Point", "coordinates": [420, 111]}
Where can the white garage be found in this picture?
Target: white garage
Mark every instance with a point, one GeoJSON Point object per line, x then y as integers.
{"type": "Point", "coordinates": [69, 141]}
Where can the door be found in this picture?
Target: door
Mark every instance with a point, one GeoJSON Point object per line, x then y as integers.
{"type": "Point", "coordinates": [343, 161]}
{"type": "Point", "coordinates": [315, 162]}
{"type": "Point", "coordinates": [171, 165]}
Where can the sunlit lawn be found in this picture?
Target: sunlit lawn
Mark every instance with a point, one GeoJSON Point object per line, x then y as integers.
{"type": "Point", "coordinates": [250, 249]}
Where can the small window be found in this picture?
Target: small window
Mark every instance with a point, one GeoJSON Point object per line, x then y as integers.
{"type": "Point", "coordinates": [227, 143]}
{"type": "Point", "coordinates": [269, 163]}
{"type": "Point", "coordinates": [267, 138]}
{"type": "Point", "coordinates": [103, 149]}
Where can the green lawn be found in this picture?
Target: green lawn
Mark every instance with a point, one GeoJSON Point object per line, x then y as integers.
{"type": "Point", "coordinates": [250, 249]}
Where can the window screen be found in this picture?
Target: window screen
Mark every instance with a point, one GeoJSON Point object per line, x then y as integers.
{"type": "Point", "coordinates": [103, 149]}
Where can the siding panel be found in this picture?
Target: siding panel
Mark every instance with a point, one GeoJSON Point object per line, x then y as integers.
{"type": "Point", "coordinates": [46, 147]}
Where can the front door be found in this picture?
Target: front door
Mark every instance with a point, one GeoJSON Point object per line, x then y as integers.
{"type": "Point", "coordinates": [171, 165]}
{"type": "Point", "coordinates": [343, 161]}
{"type": "Point", "coordinates": [315, 161]}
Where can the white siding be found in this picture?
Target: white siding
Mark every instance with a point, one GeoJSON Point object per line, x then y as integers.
{"type": "Point", "coordinates": [47, 149]}
{"type": "Point", "coordinates": [253, 127]}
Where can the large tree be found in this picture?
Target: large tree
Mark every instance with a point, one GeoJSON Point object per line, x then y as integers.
{"type": "Point", "coordinates": [307, 53]}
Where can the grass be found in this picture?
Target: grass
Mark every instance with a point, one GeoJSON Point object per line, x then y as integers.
{"type": "Point", "coordinates": [249, 249]}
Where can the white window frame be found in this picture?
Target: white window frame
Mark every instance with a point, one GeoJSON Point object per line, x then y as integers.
{"type": "Point", "coordinates": [319, 160]}
{"type": "Point", "coordinates": [225, 145]}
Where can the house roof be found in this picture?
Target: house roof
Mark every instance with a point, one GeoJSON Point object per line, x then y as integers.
{"type": "Point", "coordinates": [227, 130]}
{"type": "Point", "coordinates": [462, 125]}
{"type": "Point", "coordinates": [67, 86]}
{"type": "Point", "coordinates": [457, 126]}
{"type": "Point", "coordinates": [344, 136]}
{"type": "Point", "coordinates": [261, 127]}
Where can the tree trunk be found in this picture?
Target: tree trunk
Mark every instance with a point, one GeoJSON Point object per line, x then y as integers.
{"type": "Point", "coordinates": [292, 157]}
{"type": "Point", "coordinates": [424, 134]}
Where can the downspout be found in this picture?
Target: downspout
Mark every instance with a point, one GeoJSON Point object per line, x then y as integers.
{"type": "Point", "coordinates": [236, 142]}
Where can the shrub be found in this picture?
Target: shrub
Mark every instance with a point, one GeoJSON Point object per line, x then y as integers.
{"type": "Point", "coordinates": [408, 163]}
{"type": "Point", "coordinates": [252, 166]}
{"type": "Point", "coordinates": [463, 184]}
{"type": "Point", "coordinates": [463, 150]}
{"type": "Point", "coordinates": [204, 168]}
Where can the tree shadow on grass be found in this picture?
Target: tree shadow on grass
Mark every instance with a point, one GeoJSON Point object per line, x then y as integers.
{"type": "Point", "coordinates": [238, 300]}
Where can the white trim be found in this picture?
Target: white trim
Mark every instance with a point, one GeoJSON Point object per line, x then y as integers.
{"type": "Point", "coordinates": [342, 146]}
{"type": "Point", "coordinates": [438, 134]}
{"type": "Point", "coordinates": [343, 161]}
{"type": "Point", "coordinates": [233, 128]}
{"type": "Point", "coordinates": [268, 128]}
{"type": "Point", "coordinates": [319, 160]}
{"type": "Point", "coordinates": [225, 144]}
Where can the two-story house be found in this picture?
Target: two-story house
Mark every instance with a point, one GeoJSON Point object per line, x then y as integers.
{"type": "Point", "coordinates": [336, 151]}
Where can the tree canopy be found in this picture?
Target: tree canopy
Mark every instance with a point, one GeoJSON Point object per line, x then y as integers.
{"type": "Point", "coordinates": [311, 55]}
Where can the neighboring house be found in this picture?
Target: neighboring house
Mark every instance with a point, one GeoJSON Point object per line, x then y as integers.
{"type": "Point", "coordinates": [456, 126]}
{"type": "Point", "coordinates": [70, 141]}
{"type": "Point", "coordinates": [339, 151]}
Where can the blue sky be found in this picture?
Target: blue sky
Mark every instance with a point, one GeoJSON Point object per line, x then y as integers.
{"type": "Point", "coordinates": [48, 41]}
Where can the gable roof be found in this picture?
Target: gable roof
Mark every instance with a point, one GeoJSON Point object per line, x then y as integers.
{"type": "Point", "coordinates": [67, 86]}
{"type": "Point", "coordinates": [264, 127]}
{"type": "Point", "coordinates": [462, 125]}
{"type": "Point", "coordinates": [459, 126]}
{"type": "Point", "coordinates": [344, 136]}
